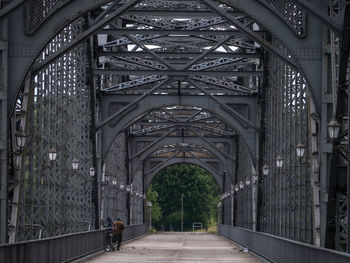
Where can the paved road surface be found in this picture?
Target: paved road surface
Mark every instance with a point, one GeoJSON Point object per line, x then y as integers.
{"type": "Point", "coordinates": [177, 247]}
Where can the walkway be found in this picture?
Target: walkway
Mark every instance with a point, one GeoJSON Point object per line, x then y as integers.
{"type": "Point", "coordinates": [177, 247]}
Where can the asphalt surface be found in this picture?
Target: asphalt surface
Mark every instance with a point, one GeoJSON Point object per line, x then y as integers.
{"type": "Point", "coordinates": [177, 247]}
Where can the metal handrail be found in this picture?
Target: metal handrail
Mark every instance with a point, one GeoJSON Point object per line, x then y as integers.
{"type": "Point", "coordinates": [64, 248]}
{"type": "Point", "coordinates": [278, 249]}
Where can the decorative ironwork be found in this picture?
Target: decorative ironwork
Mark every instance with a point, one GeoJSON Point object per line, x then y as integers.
{"type": "Point", "coordinates": [287, 199]}
{"type": "Point", "coordinates": [36, 12]}
{"type": "Point", "coordinates": [54, 198]}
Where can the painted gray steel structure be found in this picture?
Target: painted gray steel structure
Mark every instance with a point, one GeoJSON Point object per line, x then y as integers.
{"type": "Point", "coordinates": [261, 76]}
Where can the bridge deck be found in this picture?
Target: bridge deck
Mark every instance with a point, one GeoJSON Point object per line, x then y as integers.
{"type": "Point", "coordinates": [177, 247]}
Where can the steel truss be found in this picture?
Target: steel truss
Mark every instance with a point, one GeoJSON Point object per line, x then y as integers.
{"type": "Point", "coordinates": [49, 197]}
{"type": "Point", "coordinates": [286, 192]}
{"type": "Point", "coordinates": [164, 60]}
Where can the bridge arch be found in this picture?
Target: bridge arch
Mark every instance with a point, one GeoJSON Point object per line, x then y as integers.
{"type": "Point", "coordinates": [249, 134]}
{"type": "Point", "coordinates": [72, 10]}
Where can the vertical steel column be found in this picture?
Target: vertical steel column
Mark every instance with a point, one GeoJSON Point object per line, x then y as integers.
{"type": "Point", "coordinates": [3, 131]}
{"type": "Point", "coordinates": [348, 168]}
{"type": "Point", "coordinates": [90, 83]}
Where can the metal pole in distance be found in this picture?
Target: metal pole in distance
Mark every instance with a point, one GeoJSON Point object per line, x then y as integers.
{"type": "Point", "coordinates": [149, 204]}
{"type": "Point", "coordinates": [182, 212]}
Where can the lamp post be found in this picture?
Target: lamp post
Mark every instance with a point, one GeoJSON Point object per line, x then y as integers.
{"type": "Point", "coordinates": [182, 212]}
{"type": "Point", "coordinates": [219, 206]}
{"type": "Point", "coordinates": [248, 183]}
{"type": "Point", "coordinates": [149, 204]}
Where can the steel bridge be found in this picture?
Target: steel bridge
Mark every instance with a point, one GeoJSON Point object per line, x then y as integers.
{"type": "Point", "coordinates": [97, 97]}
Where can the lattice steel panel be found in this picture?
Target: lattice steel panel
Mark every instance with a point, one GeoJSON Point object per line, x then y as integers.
{"type": "Point", "coordinates": [53, 196]}
{"type": "Point", "coordinates": [286, 191]}
{"type": "Point", "coordinates": [293, 15]}
{"type": "Point", "coordinates": [114, 198]}
{"type": "Point", "coordinates": [36, 11]}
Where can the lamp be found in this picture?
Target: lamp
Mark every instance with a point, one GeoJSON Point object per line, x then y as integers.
{"type": "Point", "coordinates": [247, 181]}
{"type": "Point", "coordinates": [114, 182]}
{"type": "Point", "coordinates": [333, 128]}
{"type": "Point", "coordinates": [92, 171]}
{"type": "Point", "coordinates": [106, 177]}
{"type": "Point", "coordinates": [128, 188]}
{"type": "Point", "coordinates": [52, 154]}
{"type": "Point", "coordinates": [279, 161]}
{"type": "Point", "coordinates": [121, 186]}
{"type": "Point", "coordinates": [241, 185]}
{"type": "Point", "coordinates": [300, 148]}
{"type": "Point", "coordinates": [236, 187]}
{"type": "Point", "coordinates": [75, 164]}
{"type": "Point", "coordinates": [265, 170]}
{"type": "Point", "coordinates": [21, 138]}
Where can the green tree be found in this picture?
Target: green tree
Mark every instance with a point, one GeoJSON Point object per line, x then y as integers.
{"type": "Point", "coordinates": [201, 194]}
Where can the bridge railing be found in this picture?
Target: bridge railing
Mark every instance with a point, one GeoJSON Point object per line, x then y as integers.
{"type": "Point", "coordinates": [277, 249]}
{"type": "Point", "coordinates": [65, 248]}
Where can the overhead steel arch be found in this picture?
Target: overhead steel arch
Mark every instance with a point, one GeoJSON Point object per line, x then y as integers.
{"type": "Point", "coordinates": [64, 13]}
{"type": "Point", "coordinates": [306, 51]}
{"type": "Point", "coordinates": [31, 45]}
{"type": "Point", "coordinates": [249, 133]}
{"type": "Point", "coordinates": [226, 160]}
{"type": "Point", "coordinates": [216, 175]}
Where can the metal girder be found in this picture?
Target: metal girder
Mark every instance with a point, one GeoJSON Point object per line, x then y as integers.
{"type": "Point", "coordinates": [148, 20]}
{"type": "Point", "coordinates": [164, 161]}
{"type": "Point", "coordinates": [160, 32]}
{"type": "Point", "coordinates": [10, 7]}
{"type": "Point", "coordinates": [242, 119]}
{"type": "Point", "coordinates": [25, 48]}
{"type": "Point", "coordinates": [135, 155]}
{"type": "Point", "coordinates": [142, 62]}
{"type": "Point", "coordinates": [131, 105]}
{"type": "Point", "coordinates": [4, 164]}
{"type": "Point", "coordinates": [163, 126]}
{"type": "Point", "coordinates": [140, 72]}
{"type": "Point", "coordinates": [121, 41]}
{"type": "Point", "coordinates": [151, 52]}
{"type": "Point", "coordinates": [249, 32]}
{"type": "Point", "coordinates": [134, 83]}
{"type": "Point", "coordinates": [178, 55]}
{"type": "Point", "coordinates": [225, 84]}
{"type": "Point", "coordinates": [84, 35]}
{"type": "Point", "coordinates": [315, 10]}
{"type": "Point", "coordinates": [153, 128]}
{"type": "Point", "coordinates": [227, 158]}
{"type": "Point", "coordinates": [307, 51]}
{"type": "Point", "coordinates": [148, 103]}
{"type": "Point", "coordinates": [179, 14]}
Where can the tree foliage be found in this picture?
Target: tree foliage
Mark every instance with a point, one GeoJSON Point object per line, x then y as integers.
{"type": "Point", "coordinates": [200, 194]}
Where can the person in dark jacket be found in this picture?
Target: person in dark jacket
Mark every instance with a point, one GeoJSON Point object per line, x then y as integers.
{"type": "Point", "coordinates": [109, 227]}
{"type": "Point", "coordinates": [118, 228]}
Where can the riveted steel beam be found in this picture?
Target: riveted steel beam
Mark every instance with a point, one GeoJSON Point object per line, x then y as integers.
{"type": "Point", "coordinates": [140, 72]}
{"type": "Point", "coordinates": [167, 32]}
{"type": "Point", "coordinates": [183, 55]}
